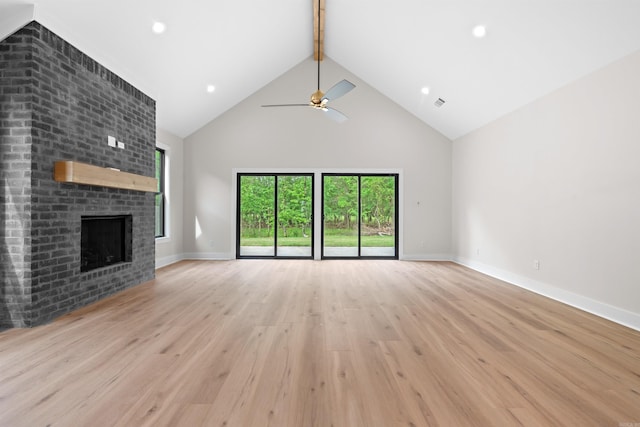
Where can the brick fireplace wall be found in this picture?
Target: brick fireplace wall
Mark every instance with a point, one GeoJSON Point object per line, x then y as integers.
{"type": "Point", "coordinates": [56, 103]}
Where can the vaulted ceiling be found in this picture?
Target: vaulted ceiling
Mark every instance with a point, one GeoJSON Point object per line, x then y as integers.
{"type": "Point", "coordinates": [531, 48]}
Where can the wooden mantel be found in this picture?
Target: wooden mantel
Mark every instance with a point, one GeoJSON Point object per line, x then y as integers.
{"type": "Point", "coordinates": [82, 173]}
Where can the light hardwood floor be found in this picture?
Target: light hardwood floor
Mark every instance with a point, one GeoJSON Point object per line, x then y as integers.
{"type": "Point", "coordinates": [332, 343]}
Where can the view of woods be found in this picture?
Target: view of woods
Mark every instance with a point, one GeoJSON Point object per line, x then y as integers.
{"type": "Point", "coordinates": [281, 205]}
{"type": "Point", "coordinates": [377, 209]}
{"type": "Point", "coordinates": [258, 219]}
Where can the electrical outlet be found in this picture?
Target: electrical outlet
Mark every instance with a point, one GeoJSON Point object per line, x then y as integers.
{"type": "Point", "coordinates": [536, 264]}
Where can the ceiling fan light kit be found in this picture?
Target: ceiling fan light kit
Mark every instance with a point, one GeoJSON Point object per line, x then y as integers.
{"type": "Point", "coordinates": [319, 99]}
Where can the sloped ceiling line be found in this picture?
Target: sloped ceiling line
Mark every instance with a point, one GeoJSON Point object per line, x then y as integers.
{"type": "Point", "coordinates": [530, 50]}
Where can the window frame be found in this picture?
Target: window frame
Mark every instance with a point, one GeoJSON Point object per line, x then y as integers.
{"type": "Point", "coordinates": [162, 192]}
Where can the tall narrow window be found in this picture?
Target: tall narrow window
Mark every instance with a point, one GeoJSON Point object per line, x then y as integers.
{"type": "Point", "coordinates": [160, 193]}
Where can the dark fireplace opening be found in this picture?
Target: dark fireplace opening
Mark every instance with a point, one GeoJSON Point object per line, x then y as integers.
{"type": "Point", "coordinates": [105, 240]}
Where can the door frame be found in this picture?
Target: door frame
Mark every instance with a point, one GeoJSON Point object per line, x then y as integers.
{"type": "Point", "coordinates": [275, 175]}
{"type": "Point", "coordinates": [317, 213]}
{"type": "Point", "coordinates": [396, 177]}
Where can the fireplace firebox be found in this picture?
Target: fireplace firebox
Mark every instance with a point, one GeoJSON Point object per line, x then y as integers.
{"type": "Point", "coordinates": [105, 240]}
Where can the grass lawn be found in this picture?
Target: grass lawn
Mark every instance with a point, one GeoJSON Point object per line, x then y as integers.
{"type": "Point", "coordinates": [331, 240]}
{"type": "Point", "coordinates": [282, 241]}
{"type": "Point", "coordinates": [352, 241]}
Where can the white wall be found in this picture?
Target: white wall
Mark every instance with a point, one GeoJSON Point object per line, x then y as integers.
{"type": "Point", "coordinates": [559, 181]}
{"type": "Point", "coordinates": [169, 249]}
{"type": "Point", "coordinates": [378, 135]}
{"type": "Point", "coordinates": [14, 17]}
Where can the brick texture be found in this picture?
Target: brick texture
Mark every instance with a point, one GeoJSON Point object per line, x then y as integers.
{"type": "Point", "coordinates": [56, 103]}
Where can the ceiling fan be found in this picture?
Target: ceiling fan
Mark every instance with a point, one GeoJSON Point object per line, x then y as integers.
{"type": "Point", "coordinates": [319, 100]}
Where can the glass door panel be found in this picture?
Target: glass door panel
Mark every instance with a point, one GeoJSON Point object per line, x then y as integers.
{"type": "Point", "coordinates": [256, 215]}
{"type": "Point", "coordinates": [377, 216]}
{"type": "Point", "coordinates": [340, 216]}
{"type": "Point", "coordinates": [360, 216]}
{"type": "Point", "coordinates": [274, 216]}
{"type": "Point", "coordinates": [295, 210]}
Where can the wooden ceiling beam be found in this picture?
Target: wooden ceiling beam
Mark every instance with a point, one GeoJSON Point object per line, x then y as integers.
{"type": "Point", "coordinates": [318, 55]}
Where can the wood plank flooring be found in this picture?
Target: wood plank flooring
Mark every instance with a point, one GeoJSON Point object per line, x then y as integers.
{"type": "Point", "coordinates": [330, 343]}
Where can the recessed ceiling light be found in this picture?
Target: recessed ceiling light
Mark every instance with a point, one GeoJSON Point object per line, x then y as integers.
{"type": "Point", "coordinates": [158, 27]}
{"type": "Point", "coordinates": [211, 88]}
{"type": "Point", "coordinates": [425, 90]}
{"type": "Point", "coordinates": [479, 31]}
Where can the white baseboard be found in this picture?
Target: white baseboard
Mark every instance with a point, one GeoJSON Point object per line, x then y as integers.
{"type": "Point", "coordinates": [165, 261]}
{"type": "Point", "coordinates": [426, 257]}
{"type": "Point", "coordinates": [168, 260]}
{"type": "Point", "coordinates": [209, 256]}
{"type": "Point", "coordinates": [615, 314]}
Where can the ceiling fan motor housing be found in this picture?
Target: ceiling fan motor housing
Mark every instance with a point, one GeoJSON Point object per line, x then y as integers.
{"type": "Point", "coordinates": [316, 97]}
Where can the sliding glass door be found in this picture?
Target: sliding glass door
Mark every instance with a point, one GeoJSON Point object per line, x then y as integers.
{"type": "Point", "coordinates": [378, 206]}
{"type": "Point", "coordinates": [340, 200]}
{"type": "Point", "coordinates": [274, 216]}
{"type": "Point", "coordinates": [359, 216]}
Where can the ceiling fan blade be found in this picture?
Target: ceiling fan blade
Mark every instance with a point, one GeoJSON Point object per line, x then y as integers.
{"type": "Point", "coordinates": [338, 89]}
{"type": "Point", "coordinates": [334, 115]}
{"type": "Point", "coordinates": [286, 105]}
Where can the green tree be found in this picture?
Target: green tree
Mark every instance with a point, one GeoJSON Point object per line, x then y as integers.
{"type": "Point", "coordinates": [256, 204]}
{"type": "Point", "coordinates": [341, 200]}
{"type": "Point", "coordinates": [378, 201]}
{"type": "Point", "coordinates": [294, 204]}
